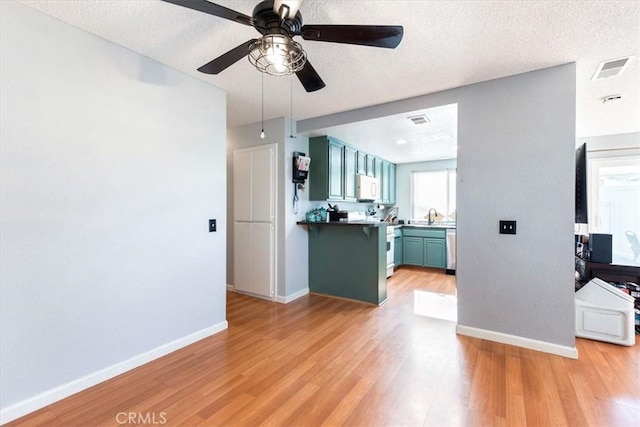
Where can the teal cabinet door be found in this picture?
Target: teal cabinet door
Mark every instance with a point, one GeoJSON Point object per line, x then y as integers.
{"type": "Point", "coordinates": [362, 163]}
{"type": "Point", "coordinates": [392, 184]}
{"type": "Point", "coordinates": [413, 250]}
{"type": "Point", "coordinates": [434, 253]}
{"type": "Point", "coordinates": [377, 172]}
{"type": "Point", "coordinates": [336, 165]}
{"type": "Point", "coordinates": [350, 169]}
{"type": "Point", "coordinates": [397, 251]}
{"type": "Point", "coordinates": [384, 182]}
{"type": "Point", "coordinates": [371, 165]}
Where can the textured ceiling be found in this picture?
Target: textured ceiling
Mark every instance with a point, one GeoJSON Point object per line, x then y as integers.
{"type": "Point", "coordinates": [446, 44]}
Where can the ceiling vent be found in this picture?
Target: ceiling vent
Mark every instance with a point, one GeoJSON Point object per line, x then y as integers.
{"type": "Point", "coordinates": [419, 119]}
{"type": "Point", "coordinates": [611, 68]}
{"type": "Point", "coordinates": [611, 99]}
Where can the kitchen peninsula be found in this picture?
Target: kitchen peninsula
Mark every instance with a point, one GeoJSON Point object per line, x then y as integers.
{"type": "Point", "coordinates": [348, 260]}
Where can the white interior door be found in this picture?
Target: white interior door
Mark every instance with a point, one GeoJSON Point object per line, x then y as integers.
{"type": "Point", "coordinates": [262, 278]}
{"type": "Point", "coordinates": [254, 201]}
{"type": "Point", "coordinates": [262, 188]}
{"type": "Point", "coordinates": [242, 247]}
{"type": "Point", "coordinates": [242, 185]}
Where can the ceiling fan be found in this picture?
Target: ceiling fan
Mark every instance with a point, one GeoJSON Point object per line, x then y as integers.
{"type": "Point", "coordinates": [276, 53]}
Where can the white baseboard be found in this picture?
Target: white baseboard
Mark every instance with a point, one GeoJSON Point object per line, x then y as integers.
{"type": "Point", "coordinates": [545, 347]}
{"type": "Point", "coordinates": [294, 296]}
{"type": "Point", "coordinates": [41, 400]}
{"type": "Point", "coordinates": [231, 288]}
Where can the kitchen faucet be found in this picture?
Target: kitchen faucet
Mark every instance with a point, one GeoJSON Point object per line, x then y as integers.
{"type": "Point", "coordinates": [429, 220]}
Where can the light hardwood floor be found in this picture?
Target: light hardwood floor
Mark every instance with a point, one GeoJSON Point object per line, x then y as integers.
{"type": "Point", "coordinates": [322, 361]}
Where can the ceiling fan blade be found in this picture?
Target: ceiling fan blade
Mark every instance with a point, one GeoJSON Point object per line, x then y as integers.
{"type": "Point", "coordinates": [310, 78]}
{"type": "Point", "coordinates": [388, 36]}
{"type": "Point", "coordinates": [226, 60]}
{"type": "Point", "coordinates": [213, 9]}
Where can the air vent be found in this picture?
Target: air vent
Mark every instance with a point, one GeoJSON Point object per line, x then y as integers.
{"type": "Point", "coordinates": [611, 68]}
{"type": "Point", "coordinates": [611, 99]}
{"type": "Point", "coordinates": [419, 119]}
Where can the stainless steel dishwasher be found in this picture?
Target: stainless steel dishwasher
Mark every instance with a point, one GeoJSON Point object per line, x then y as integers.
{"type": "Point", "coordinates": [451, 251]}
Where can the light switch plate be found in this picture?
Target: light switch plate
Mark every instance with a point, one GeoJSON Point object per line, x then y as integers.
{"type": "Point", "coordinates": [507, 227]}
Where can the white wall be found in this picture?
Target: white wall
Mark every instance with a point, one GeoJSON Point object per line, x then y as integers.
{"type": "Point", "coordinates": [516, 161]}
{"type": "Point", "coordinates": [292, 265]}
{"type": "Point", "coordinates": [516, 138]}
{"type": "Point", "coordinates": [403, 181]}
{"type": "Point", "coordinates": [296, 245]}
{"type": "Point", "coordinates": [112, 165]}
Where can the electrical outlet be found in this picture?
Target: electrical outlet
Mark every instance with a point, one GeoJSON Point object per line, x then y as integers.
{"type": "Point", "coordinates": [212, 225]}
{"type": "Point", "coordinates": [507, 227]}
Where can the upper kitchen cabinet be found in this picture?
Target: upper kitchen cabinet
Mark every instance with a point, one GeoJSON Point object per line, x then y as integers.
{"type": "Point", "coordinates": [371, 165]}
{"type": "Point", "coordinates": [362, 163]}
{"type": "Point", "coordinates": [392, 184]}
{"type": "Point", "coordinates": [326, 172]}
{"type": "Point", "coordinates": [385, 182]}
{"type": "Point", "coordinates": [335, 166]}
{"type": "Point", "coordinates": [378, 172]}
{"type": "Point", "coordinates": [335, 171]}
{"type": "Point", "coordinates": [350, 173]}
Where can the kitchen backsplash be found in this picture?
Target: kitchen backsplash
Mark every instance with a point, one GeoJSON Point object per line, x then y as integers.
{"type": "Point", "coordinates": [381, 213]}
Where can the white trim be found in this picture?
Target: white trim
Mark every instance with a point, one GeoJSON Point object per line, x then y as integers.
{"type": "Point", "coordinates": [294, 296]}
{"type": "Point", "coordinates": [231, 288]}
{"type": "Point", "coordinates": [543, 346]}
{"type": "Point", "coordinates": [48, 397]}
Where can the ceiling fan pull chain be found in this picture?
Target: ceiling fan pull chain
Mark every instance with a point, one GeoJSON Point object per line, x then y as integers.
{"type": "Point", "coordinates": [291, 103]}
{"type": "Point", "coordinates": [262, 135]}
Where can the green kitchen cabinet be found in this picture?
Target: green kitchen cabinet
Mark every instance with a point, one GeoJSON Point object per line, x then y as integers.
{"type": "Point", "coordinates": [350, 173]}
{"type": "Point", "coordinates": [397, 250]}
{"type": "Point", "coordinates": [434, 253]}
{"type": "Point", "coordinates": [413, 251]}
{"type": "Point", "coordinates": [378, 173]}
{"type": "Point", "coordinates": [385, 181]}
{"type": "Point", "coordinates": [371, 165]}
{"type": "Point", "coordinates": [336, 177]}
{"type": "Point", "coordinates": [424, 247]}
{"type": "Point", "coordinates": [362, 163]}
{"type": "Point", "coordinates": [326, 172]}
{"type": "Point", "coordinates": [334, 169]}
{"type": "Point", "coordinates": [392, 184]}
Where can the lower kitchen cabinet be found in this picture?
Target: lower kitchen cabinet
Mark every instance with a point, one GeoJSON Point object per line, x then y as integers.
{"type": "Point", "coordinates": [434, 253]}
{"type": "Point", "coordinates": [424, 247]}
{"type": "Point", "coordinates": [397, 248]}
{"type": "Point", "coordinates": [413, 250]}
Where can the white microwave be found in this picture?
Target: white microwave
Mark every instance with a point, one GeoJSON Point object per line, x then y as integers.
{"type": "Point", "coordinates": [368, 188]}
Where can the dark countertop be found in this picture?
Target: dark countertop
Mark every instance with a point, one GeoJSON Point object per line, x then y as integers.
{"type": "Point", "coordinates": [446, 226]}
{"type": "Point", "coordinates": [377, 224]}
{"type": "Point", "coordinates": [345, 223]}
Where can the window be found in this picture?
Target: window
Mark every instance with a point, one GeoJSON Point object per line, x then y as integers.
{"type": "Point", "coordinates": [433, 189]}
{"type": "Point", "coordinates": [614, 202]}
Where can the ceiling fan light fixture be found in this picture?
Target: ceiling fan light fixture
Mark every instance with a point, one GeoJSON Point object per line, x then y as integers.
{"type": "Point", "coordinates": [277, 55]}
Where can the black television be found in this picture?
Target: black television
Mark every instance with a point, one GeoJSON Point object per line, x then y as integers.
{"type": "Point", "coordinates": [581, 184]}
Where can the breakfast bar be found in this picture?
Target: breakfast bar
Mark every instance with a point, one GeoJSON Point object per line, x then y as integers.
{"type": "Point", "coordinates": [348, 260]}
